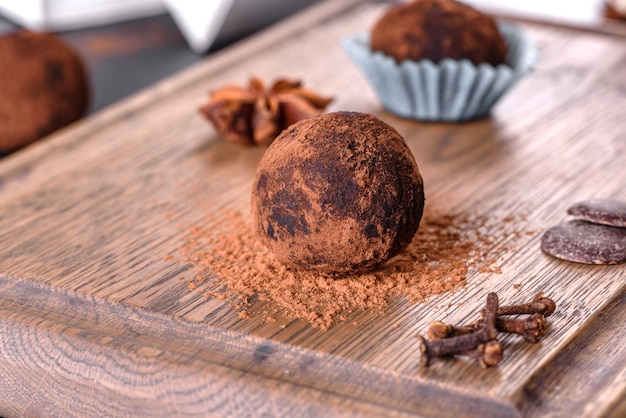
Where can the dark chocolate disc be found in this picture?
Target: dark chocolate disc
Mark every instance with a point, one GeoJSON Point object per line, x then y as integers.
{"type": "Point", "coordinates": [585, 242]}
{"type": "Point", "coordinates": [600, 211]}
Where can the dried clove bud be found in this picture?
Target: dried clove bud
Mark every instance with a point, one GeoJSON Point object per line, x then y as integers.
{"type": "Point", "coordinates": [488, 354]}
{"type": "Point", "coordinates": [460, 344]}
{"type": "Point", "coordinates": [478, 340]}
{"type": "Point", "coordinates": [531, 328]}
{"type": "Point", "coordinates": [438, 330]}
{"type": "Point", "coordinates": [463, 344]}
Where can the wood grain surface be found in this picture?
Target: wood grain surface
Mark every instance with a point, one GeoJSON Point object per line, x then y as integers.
{"type": "Point", "coordinates": [96, 317]}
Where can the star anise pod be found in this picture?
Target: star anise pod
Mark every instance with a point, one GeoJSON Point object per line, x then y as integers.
{"type": "Point", "coordinates": [256, 115]}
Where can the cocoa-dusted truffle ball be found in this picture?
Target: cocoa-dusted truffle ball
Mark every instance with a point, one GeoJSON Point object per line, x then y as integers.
{"type": "Point", "coordinates": [338, 193]}
{"type": "Point", "coordinates": [43, 87]}
{"type": "Point", "coordinates": [438, 29]}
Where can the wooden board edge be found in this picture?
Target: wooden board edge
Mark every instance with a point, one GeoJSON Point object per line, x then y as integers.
{"type": "Point", "coordinates": [578, 375]}
{"type": "Point", "coordinates": [63, 319]}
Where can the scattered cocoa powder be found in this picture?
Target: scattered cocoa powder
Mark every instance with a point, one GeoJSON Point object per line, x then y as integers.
{"type": "Point", "coordinates": [229, 263]}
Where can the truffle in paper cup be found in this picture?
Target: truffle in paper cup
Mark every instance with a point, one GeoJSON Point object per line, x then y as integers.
{"type": "Point", "coordinates": [449, 91]}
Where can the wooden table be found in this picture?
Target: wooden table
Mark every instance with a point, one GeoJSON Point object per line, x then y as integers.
{"type": "Point", "coordinates": [95, 319]}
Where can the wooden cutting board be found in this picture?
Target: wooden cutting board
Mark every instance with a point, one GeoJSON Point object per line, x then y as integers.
{"type": "Point", "coordinates": [96, 318]}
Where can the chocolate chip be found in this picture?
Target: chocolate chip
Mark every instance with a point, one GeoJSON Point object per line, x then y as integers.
{"type": "Point", "coordinates": [585, 242]}
{"type": "Point", "coordinates": [600, 211]}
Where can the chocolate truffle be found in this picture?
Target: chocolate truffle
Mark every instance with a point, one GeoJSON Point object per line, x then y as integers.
{"type": "Point", "coordinates": [438, 29]}
{"type": "Point", "coordinates": [338, 193]}
{"type": "Point", "coordinates": [43, 84]}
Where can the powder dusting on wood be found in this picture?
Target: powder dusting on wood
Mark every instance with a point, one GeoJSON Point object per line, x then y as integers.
{"type": "Point", "coordinates": [229, 263]}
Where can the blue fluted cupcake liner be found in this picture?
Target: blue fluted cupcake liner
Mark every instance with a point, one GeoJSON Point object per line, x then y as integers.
{"type": "Point", "coordinates": [449, 91]}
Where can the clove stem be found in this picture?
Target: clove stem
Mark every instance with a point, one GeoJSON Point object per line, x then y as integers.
{"type": "Point", "coordinates": [539, 304]}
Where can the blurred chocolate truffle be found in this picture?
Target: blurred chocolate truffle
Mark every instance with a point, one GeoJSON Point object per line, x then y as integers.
{"type": "Point", "coordinates": [338, 193]}
{"type": "Point", "coordinates": [43, 84]}
{"type": "Point", "coordinates": [615, 9]}
{"type": "Point", "coordinates": [438, 29]}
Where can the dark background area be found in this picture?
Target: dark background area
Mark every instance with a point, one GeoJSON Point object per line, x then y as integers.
{"type": "Point", "coordinates": [128, 56]}
{"type": "Point", "coordinates": [125, 57]}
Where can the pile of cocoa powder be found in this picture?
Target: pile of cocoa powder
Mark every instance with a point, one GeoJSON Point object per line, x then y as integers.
{"type": "Point", "coordinates": [229, 263]}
